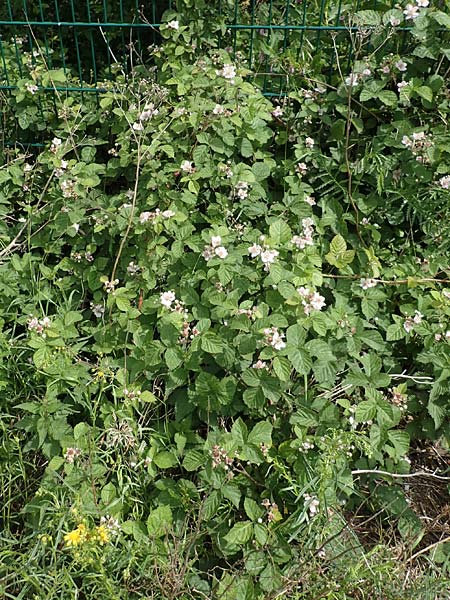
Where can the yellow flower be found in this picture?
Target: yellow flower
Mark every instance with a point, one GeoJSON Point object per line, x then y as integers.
{"type": "Point", "coordinates": [102, 534]}
{"type": "Point", "coordinates": [77, 536]}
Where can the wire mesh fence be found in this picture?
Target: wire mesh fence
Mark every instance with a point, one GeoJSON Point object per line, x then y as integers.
{"type": "Point", "coordinates": [87, 41]}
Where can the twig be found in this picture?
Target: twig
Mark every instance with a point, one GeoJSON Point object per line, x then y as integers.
{"type": "Point", "coordinates": [399, 475]}
{"type": "Point", "coordinates": [430, 547]}
{"type": "Point", "coordinates": [390, 282]}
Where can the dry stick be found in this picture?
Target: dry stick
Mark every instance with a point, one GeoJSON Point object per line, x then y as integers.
{"type": "Point", "coordinates": [430, 547]}
{"type": "Point", "coordinates": [399, 475]}
{"type": "Point", "coordinates": [390, 282]}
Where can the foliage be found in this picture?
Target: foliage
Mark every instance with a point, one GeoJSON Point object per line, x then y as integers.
{"type": "Point", "coordinates": [215, 309]}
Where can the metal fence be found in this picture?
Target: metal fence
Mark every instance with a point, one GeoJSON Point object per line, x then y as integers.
{"type": "Point", "coordinates": [88, 40]}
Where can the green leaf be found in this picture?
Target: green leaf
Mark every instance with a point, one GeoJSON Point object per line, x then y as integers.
{"type": "Point", "coordinates": [301, 361]}
{"type": "Point", "coordinates": [211, 505]}
{"type": "Point", "coordinates": [282, 368]}
{"type": "Point", "coordinates": [165, 460]}
{"type": "Point", "coordinates": [253, 510]}
{"type": "Point", "coordinates": [388, 97]}
{"type": "Point", "coordinates": [122, 303]}
{"type": "Point", "coordinates": [239, 431]}
{"type": "Point", "coordinates": [425, 92]}
{"type": "Point", "coordinates": [240, 533]}
{"type": "Point", "coordinates": [193, 460]}
{"type": "Point", "coordinates": [159, 521]}
{"type": "Point", "coordinates": [211, 343]}
{"type": "Point", "coordinates": [261, 434]}
{"type": "Point", "coordinates": [400, 441]}
{"type": "Point", "coordinates": [280, 232]}
{"type": "Point", "coordinates": [395, 332]}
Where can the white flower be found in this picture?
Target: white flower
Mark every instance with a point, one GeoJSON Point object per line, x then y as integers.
{"type": "Point", "coordinates": [228, 72]}
{"type": "Point", "coordinates": [366, 283]}
{"type": "Point", "coordinates": [98, 310]}
{"type": "Point", "coordinates": [418, 136]}
{"type": "Point", "coordinates": [417, 317]}
{"type": "Point", "coordinates": [394, 21]}
{"type": "Point", "coordinates": [218, 109]}
{"type": "Point", "coordinates": [187, 166]}
{"type": "Point", "coordinates": [422, 3]}
{"type": "Point", "coordinates": [411, 12]}
{"type": "Point", "coordinates": [31, 88]}
{"type": "Point", "coordinates": [76, 226]}
{"type": "Point", "coordinates": [406, 141]}
{"type": "Point", "coordinates": [56, 142]}
{"type": "Point", "coordinates": [401, 65]}
{"type": "Point", "coordinates": [301, 168]}
{"type": "Point", "coordinates": [45, 322]}
{"type": "Point", "coordinates": [309, 200]}
{"type": "Point", "coordinates": [145, 216]}
{"type": "Point", "coordinates": [309, 142]}
{"type": "Point", "coordinates": [208, 253]}
{"type": "Point", "coordinates": [167, 298]}
{"type": "Point", "coordinates": [277, 112]}
{"type": "Point", "coordinates": [221, 252]}
{"type": "Point", "coordinates": [303, 291]}
{"type": "Point", "coordinates": [402, 84]}
{"type": "Point", "coordinates": [269, 256]}
{"type": "Point", "coordinates": [352, 80]}
{"type": "Point", "coordinates": [148, 112]}
{"type": "Point", "coordinates": [386, 69]}
{"type": "Point", "coordinates": [242, 194]}
{"type": "Point", "coordinates": [317, 302]}
{"type": "Point", "coordinates": [166, 214]}
{"type": "Point", "coordinates": [277, 341]}
{"type": "Point", "coordinates": [444, 182]}
{"type": "Point", "coordinates": [259, 364]}
{"type": "Point", "coordinates": [255, 250]}
{"type": "Point", "coordinates": [366, 72]}
{"type": "Point", "coordinates": [71, 454]}
{"type": "Point", "coordinates": [137, 126]}
{"type": "Point", "coordinates": [173, 24]}
{"type": "Point", "coordinates": [216, 240]}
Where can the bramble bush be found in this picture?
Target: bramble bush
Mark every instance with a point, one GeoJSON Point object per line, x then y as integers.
{"type": "Point", "coordinates": [222, 315]}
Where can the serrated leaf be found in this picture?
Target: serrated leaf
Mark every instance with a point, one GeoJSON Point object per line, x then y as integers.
{"type": "Point", "coordinates": [395, 332]}
{"type": "Point", "coordinates": [159, 521]}
{"type": "Point", "coordinates": [193, 460]}
{"type": "Point", "coordinates": [282, 368]}
{"type": "Point", "coordinates": [280, 232]}
{"type": "Point", "coordinates": [261, 434]}
{"type": "Point", "coordinates": [240, 533]}
{"type": "Point", "coordinates": [211, 343]}
{"type": "Point", "coordinates": [388, 97]}
{"type": "Point", "coordinates": [165, 460]}
{"type": "Point", "coordinates": [211, 505]}
{"type": "Point", "coordinates": [253, 510]}
{"type": "Point", "coordinates": [301, 361]}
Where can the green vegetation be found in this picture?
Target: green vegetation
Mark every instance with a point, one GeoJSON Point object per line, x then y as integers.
{"type": "Point", "coordinates": [225, 321]}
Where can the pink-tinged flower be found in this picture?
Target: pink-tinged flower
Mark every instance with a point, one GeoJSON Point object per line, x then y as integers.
{"type": "Point", "coordinates": [304, 291]}
{"type": "Point", "coordinates": [218, 109]}
{"type": "Point", "coordinates": [255, 250]}
{"type": "Point", "coordinates": [386, 69]}
{"type": "Point", "coordinates": [402, 84]}
{"type": "Point", "coordinates": [242, 190]}
{"type": "Point", "coordinates": [71, 454]}
{"type": "Point", "coordinates": [310, 200]}
{"type": "Point", "coordinates": [411, 12]}
{"type": "Point", "coordinates": [216, 241]}
{"type": "Point", "coordinates": [145, 216]}
{"type": "Point", "coordinates": [444, 182]}
{"type": "Point", "coordinates": [316, 301]}
{"type": "Point", "coordinates": [352, 80]}
{"type": "Point", "coordinates": [269, 256]}
{"type": "Point", "coordinates": [277, 111]}
{"type": "Point", "coordinates": [187, 167]}
{"type": "Point", "coordinates": [259, 364]}
{"type": "Point", "coordinates": [208, 253]}
{"type": "Point", "coordinates": [309, 142]}
{"type": "Point", "coordinates": [227, 72]}
{"type": "Point", "coordinates": [401, 65]}
{"type": "Point", "coordinates": [173, 24]}
{"type": "Point", "coordinates": [394, 21]}
{"type": "Point", "coordinates": [422, 3]}
{"type": "Point", "coordinates": [301, 168]}
{"type": "Point", "coordinates": [274, 338]}
{"type": "Point", "coordinates": [221, 252]}
{"type": "Point", "coordinates": [366, 72]}
{"type": "Point", "coordinates": [367, 283]}
{"type": "Point", "coordinates": [167, 298]}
